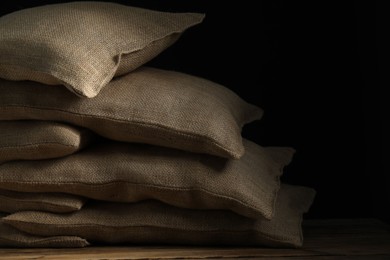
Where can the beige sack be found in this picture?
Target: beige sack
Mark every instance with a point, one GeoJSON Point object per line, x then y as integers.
{"type": "Point", "coordinates": [13, 201]}
{"type": "Point", "coordinates": [147, 106]}
{"type": "Point", "coordinates": [156, 223]}
{"type": "Point", "coordinates": [82, 45]}
{"type": "Point", "coordinates": [11, 237]}
{"type": "Point", "coordinates": [132, 172]}
{"type": "Point", "coordinates": [34, 140]}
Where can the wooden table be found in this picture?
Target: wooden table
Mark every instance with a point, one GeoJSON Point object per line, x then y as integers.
{"type": "Point", "coordinates": [324, 239]}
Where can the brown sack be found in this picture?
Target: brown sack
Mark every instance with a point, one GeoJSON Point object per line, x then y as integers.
{"type": "Point", "coordinates": [132, 172]}
{"type": "Point", "coordinates": [153, 222]}
{"type": "Point", "coordinates": [34, 140]}
{"type": "Point", "coordinates": [82, 45]}
{"type": "Point", "coordinates": [149, 105]}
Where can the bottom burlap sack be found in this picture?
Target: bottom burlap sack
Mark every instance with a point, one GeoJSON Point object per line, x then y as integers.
{"type": "Point", "coordinates": [11, 237]}
{"type": "Point", "coordinates": [151, 222]}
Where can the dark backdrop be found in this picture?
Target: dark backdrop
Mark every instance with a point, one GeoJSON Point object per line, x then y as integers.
{"type": "Point", "coordinates": [314, 67]}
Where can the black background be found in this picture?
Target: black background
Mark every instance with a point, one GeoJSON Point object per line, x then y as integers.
{"type": "Point", "coordinates": [317, 70]}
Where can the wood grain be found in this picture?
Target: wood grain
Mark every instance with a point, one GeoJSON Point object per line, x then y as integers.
{"type": "Point", "coordinates": [324, 239]}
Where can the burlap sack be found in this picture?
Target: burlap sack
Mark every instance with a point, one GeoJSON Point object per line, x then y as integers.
{"type": "Point", "coordinates": [34, 140]}
{"type": "Point", "coordinates": [154, 222]}
{"type": "Point", "coordinates": [132, 172]}
{"type": "Point", "coordinates": [13, 201]}
{"type": "Point", "coordinates": [11, 237]}
{"type": "Point", "coordinates": [147, 106]}
{"type": "Point", "coordinates": [82, 45]}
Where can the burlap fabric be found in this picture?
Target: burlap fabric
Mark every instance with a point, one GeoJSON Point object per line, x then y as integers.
{"type": "Point", "coordinates": [132, 172]}
{"type": "Point", "coordinates": [149, 105]}
{"type": "Point", "coordinates": [154, 222]}
{"type": "Point", "coordinates": [34, 140]}
{"type": "Point", "coordinates": [13, 201]}
{"type": "Point", "coordinates": [82, 45]}
{"type": "Point", "coordinates": [11, 237]}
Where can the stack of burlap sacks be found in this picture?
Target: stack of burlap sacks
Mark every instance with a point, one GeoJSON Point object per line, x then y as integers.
{"type": "Point", "coordinates": [124, 153]}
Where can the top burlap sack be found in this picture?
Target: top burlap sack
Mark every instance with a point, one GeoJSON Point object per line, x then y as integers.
{"type": "Point", "coordinates": [83, 45]}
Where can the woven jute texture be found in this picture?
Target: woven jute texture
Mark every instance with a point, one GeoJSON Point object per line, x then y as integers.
{"type": "Point", "coordinates": [132, 172]}
{"type": "Point", "coordinates": [13, 201]}
{"type": "Point", "coordinates": [154, 222]}
{"type": "Point", "coordinates": [82, 45]}
{"type": "Point", "coordinates": [149, 105]}
{"type": "Point", "coordinates": [34, 140]}
{"type": "Point", "coordinates": [11, 237]}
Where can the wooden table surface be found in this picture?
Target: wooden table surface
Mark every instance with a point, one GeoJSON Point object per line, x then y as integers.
{"type": "Point", "coordinates": [324, 239]}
